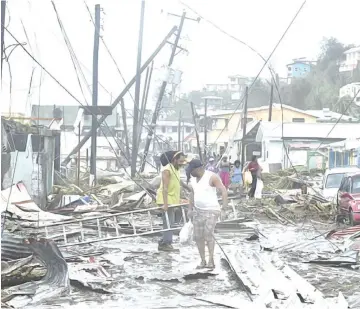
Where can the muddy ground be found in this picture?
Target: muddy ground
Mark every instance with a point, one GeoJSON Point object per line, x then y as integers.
{"type": "Point", "coordinates": [139, 268]}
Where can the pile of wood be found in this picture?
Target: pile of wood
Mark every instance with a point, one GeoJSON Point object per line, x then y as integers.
{"type": "Point", "coordinates": [291, 179]}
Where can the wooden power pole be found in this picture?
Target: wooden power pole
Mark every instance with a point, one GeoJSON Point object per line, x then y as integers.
{"type": "Point", "coordinates": [205, 129]}
{"type": "Point", "coordinates": [244, 128]}
{"type": "Point", "coordinates": [134, 152]}
{"type": "Point", "coordinates": [161, 94]}
{"type": "Point", "coordinates": [94, 124]}
{"type": "Point", "coordinates": [196, 131]}
{"type": "Point", "coordinates": [120, 96]}
{"type": "Point", "coordinates": [271, 101]}
{"type": "Point", "coordinates": [179, 131]}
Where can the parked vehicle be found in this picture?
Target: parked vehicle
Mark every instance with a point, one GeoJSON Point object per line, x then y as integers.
{"type": "Point", "coordinates": [333, 178]}
{"type": "Point", "coordinates": [348, 197]}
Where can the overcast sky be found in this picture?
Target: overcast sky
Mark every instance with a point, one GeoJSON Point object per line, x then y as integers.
{"type": "Point", "coordinates": [212, 55]}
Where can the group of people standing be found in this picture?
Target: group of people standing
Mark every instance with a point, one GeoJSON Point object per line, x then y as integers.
{"type": "Point", "coordinates": [204, 209]}
{"type": "Point", "coordinates": [232, 175]}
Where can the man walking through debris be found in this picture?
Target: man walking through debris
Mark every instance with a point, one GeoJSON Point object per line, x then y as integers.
{"type": "Point", "coordinates": [169, 193]}
{"type": "Point", "coordinates": [204, 208]}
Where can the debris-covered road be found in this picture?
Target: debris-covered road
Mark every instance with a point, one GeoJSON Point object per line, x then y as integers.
{"type": "Point", "coordinates": [141, 275]}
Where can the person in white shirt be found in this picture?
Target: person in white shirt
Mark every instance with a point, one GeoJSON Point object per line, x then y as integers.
{"type": "Point", "coordinates": [204, 208]}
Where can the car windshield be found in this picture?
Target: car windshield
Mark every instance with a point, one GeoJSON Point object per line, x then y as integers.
{"type": "Point", "coordinates": [334, 180]}
{"type": "Point", "coordinates": [356, 184]}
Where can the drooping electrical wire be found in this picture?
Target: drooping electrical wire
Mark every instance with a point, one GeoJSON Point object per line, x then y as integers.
{"type": "Point", "coordinates": [77, 100]}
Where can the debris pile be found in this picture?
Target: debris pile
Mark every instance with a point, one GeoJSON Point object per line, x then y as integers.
{"type": "Point", "coordinates": [292, 179]}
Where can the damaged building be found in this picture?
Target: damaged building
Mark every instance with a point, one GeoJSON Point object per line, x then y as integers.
{"type": "Point", "coordinates": [29, 154]}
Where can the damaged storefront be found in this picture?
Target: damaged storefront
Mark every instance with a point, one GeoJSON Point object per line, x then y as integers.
{"type": "Point", "coordinates": [28, 155]}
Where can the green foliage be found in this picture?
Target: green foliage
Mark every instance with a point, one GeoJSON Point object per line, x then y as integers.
{"type": "Point", "coordinates": [320, 88]}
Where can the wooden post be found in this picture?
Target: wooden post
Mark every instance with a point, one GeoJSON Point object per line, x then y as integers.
{"type": "Point", "coordinates": [92, 178]}
{"type": "Point", "coordinates": [134, 152]}
{"type": "Point", "coordinates": [179, 132]}
{"type": "Point", "coordinates": [161, 94]}
{"type": "Point", "coordinates": [196, 131]}
{"type": "Point", "coordinates": [244, 128]}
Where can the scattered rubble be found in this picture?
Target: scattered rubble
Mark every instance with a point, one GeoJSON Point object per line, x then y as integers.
{"type": "Point", "coordinates": [120, 208]}
{"type": "Point", "coordinates": [54, 284]}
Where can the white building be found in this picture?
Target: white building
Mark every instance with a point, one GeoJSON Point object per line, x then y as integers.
{"type": "Point", "coordinates": [351, 61]}
{"type": "Point", "coordinates": [326, 115]}
{"type": "Point", "coordinates": [281, 145]}
{"type": "Point", "coordinates": [235, 83]}
{"type": "Point", "coordinates": [351, 90]}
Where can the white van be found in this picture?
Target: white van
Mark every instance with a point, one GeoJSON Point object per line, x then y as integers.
{"type": "Point", "coordinates": [333, 178]}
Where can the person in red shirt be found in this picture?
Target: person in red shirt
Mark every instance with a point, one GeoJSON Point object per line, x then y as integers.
{"type": "Point", "coordinates": [253, 167]}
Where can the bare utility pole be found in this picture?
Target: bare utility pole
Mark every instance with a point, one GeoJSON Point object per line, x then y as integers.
{"type": "Point", "coordinates": [244, 128]}
{"type": "Point", "coordinates": [120, 96]}
{"type": "Point", "coordinates": [271, 101]}
{"type": "Point", "coordinates": [78, 157]}
{"type": "Point", "coordinates": [144, 99]}
{"type": "Point", "coordinates": [92, 178]}
{"type": "Point", "coordinates": [205, 128]}
{"type": "Point", "coordinates": [137, 94]}
{"type": "Point", "coordinates": [161, 94]}
{"type": "Point", "coordinates": [2, 41]}
{"type": "Point", "coordinates": [182, 134]}
{"type": "Point", "coordinates": [123, 115]}
{"type": "Point", "coordinates": [179, 131]}
{"type": "Point", "coordinates": [196, 131]}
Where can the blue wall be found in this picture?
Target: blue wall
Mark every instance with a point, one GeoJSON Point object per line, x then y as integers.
{"type": "Point", "coordinates": [298, 69]}
{"type": "Point", "coordinates": [342, 158]}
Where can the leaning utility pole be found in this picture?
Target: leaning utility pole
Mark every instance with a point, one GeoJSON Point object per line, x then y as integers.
{"type": "Point", "coordinates": [92, 178]}
{"type": "Point", "coordinates": [137, 94]}
{"type": "Point", "coordinates": [179, 132]}
{"type": "Point", "coordinates": [120, 96]}
{"type": "Point", "coordinates": [196, 131]}
{"type": "Point", "coordinates": [205, 129]}
{"type": "Point", "coordinates": [244, 128]}
{"type": "Point", "coordinates": [123, 116]}
{"type": "Point", "coordinates": [271, 101]}
{"type": "Point", "coordinates": [144, 99]}
{"type": "Point", "coordinates": [161, 94]}
{"type": "Point", "coordinates": [2, 42]}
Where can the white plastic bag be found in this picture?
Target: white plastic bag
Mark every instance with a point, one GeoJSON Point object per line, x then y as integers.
{"type": "Point", "coordinates": [259, 188]}
{"type": "Point", "coordinates": [186, 233]}
{"type": "Point", "coordinates": [247, 178]}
